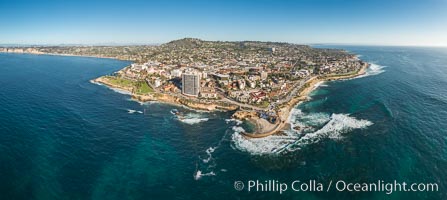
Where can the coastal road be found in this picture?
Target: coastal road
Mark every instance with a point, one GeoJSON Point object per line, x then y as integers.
{"type": "Point", "coordinates": [293, 93]}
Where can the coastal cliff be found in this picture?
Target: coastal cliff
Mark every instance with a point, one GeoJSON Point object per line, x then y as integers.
{"type": "Point", "coordinates": [166, 98]}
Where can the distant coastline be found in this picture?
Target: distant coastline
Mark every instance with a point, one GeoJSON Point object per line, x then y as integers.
{"type": "Point", "coordinates": [56, 54]}
{"type": "Point", "coordinates": [178, 101]}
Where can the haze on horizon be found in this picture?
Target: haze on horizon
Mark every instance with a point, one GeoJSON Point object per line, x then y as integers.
{"type": "Point", "coordinates": [372, 22]}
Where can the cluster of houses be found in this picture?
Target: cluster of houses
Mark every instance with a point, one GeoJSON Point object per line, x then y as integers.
{"type": "Point", "coordinates": [247, 72]}
{"type": "Point", "coordinates": [243, 83]}
{"type": "Point", "coordinates": [251, 97]}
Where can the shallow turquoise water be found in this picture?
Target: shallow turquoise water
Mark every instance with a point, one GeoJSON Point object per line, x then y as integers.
{"type": "Point", "coordinates": [62, 137]}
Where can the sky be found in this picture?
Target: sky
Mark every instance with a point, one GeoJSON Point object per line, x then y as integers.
{"type": "Point", "coordinates": [362, 22]}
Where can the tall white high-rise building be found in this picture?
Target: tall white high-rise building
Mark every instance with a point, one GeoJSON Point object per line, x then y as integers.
{"type": "Point", "coordinates": [191, 83]}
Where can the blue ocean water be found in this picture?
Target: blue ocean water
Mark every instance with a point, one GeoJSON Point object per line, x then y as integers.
{"type": "Point", "coordinates": [62, 137]}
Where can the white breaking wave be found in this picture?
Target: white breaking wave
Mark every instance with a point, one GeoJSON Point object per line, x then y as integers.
{"type": "Point", "coordinates": [319, 84]}
{"type": "Point", "coordinates": [238, 129]}
{"type": "Point", "coordinates": [191, 118]}
{"type": "Point", "coordinates": [134, 111]}
{"type": "Point", "coordinates": [193, 121]}
{"type": "Point", "coordinates": [294, 113]}
{"type": "Point", "coordinates": [298, 118]}
{"type": "Point", "coordinates": [209, 162]}
{"type": "Point", "coordinates": [147, 102]}
{"type": "Point", "coordinates": [199, 174]}
{"type": "Point", "coordinates": [312, 119]}
{"type": "Point", "coordinates": [96, 83]}
{"type": "Point", "coordinates": [238, 122]}
{"type": "Point", "coordinates": [140, 102]}
{"type": "Point", "coordinates": [334, 129]}
{"type": "Point", "coordinates": [373, 69]}
{"type": "Point", "coordinates": [336, 126]}
{"type": "Point", "coordinates": [260, 146]}
{"type": "Point", "coordinates": [209, 152]}
{"type": "Point", "coordinates": [121, 91]}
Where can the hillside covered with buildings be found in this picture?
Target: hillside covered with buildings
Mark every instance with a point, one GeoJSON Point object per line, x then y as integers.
{"type": "Point", "coordinates": [257, 76]}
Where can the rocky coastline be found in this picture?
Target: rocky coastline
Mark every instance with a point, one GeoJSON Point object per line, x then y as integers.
{"type": "Point", "coordinates": [166, 98]}
{"type": "Point", "coordinates": [284, 110]}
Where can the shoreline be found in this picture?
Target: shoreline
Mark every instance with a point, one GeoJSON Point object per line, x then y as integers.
{"type": "Point", "coordinates": [285, 109]}
{"type": "Point", "coordinates": [263, 128]}
{"type": "Point", "coordinates": [167, 98]}
{"type": "Point", "coordinates": [163, 98]}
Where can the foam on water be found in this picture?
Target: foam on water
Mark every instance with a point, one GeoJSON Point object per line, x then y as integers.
{"type": "Point", "coordinates": [320, 125]}
{"type": "Point", "coordinates": [147, 103]}
{"type": "Point", "coordinates": [134, 111]}
{"type": "Point", "coordinates": [238, 129]}
{"type": "Point", "coordinates": [333, 127]}
{"type": "Point", "coordinates": [198, 175]}
{"type": "Point", "coordinates": [193, 121]}
{"type": "Point", "coordinates": [121, 91]}
{"type": "Point", "coordinates": [373, 69]}
{"type": "Point", "coordinates": [96, 83]}
{"type": "Point", "coordinates": [293, 117]}
{"type": "Point", "coordinates": [209, 153]}
{"type": "Point", "coordinates": [319, 84]}
{"type": "Point", "coordinates": [313, 119]}
{"type": "Point", "coordinates": [260, 146]}
{"type": "Point", "coordinates": [191, 118]}
{"type": "Point", "coordinates": [209, 164]}
{"type": "Point", "coordinates": [238, 122]}
{"type": "Point", "coordinates": [298, 118]}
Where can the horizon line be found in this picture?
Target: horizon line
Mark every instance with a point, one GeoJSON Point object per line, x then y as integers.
{"type": "Point", "coordinates": [13, 44]}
